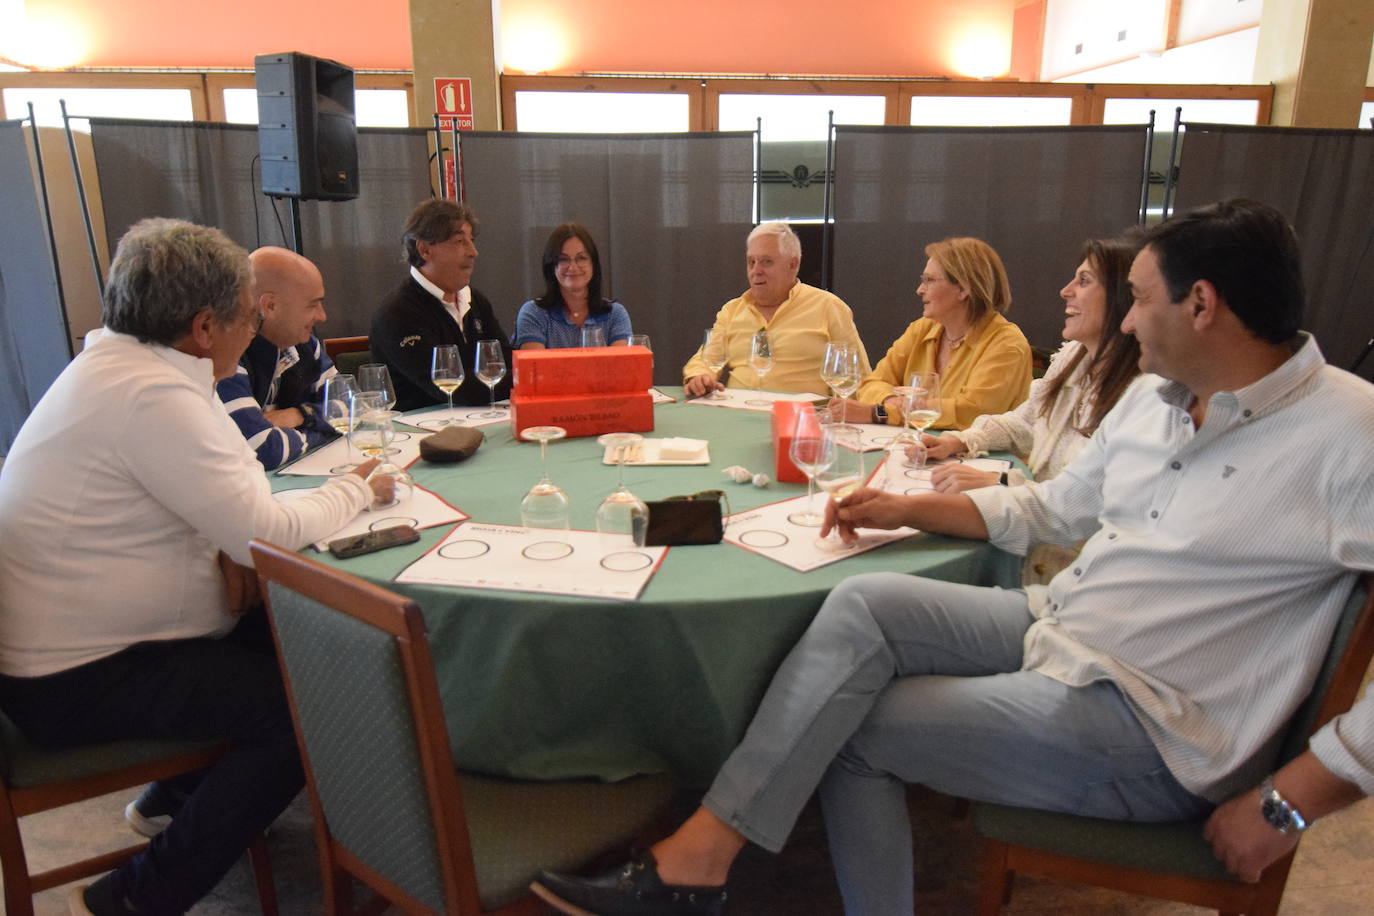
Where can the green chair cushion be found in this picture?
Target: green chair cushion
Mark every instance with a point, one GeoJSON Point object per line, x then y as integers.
{"type": "Point", "coordinates": [1174, 847]}
{"type": "Point", "coordinates": [519, 828]}
{"type": "Point", "coordinates": [26, 764]}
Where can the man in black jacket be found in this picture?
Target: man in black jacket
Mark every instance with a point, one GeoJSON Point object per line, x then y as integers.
{"type": "Point", "coordinates": [435, 306]}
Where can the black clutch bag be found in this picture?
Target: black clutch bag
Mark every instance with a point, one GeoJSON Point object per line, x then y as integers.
{"type": "Point", "coordinates": [682, 520]}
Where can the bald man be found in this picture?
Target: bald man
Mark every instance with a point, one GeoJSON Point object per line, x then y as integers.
{"type": "Point", "coordinates": [275, 397]}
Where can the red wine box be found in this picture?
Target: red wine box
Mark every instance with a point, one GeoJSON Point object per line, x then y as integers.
{"type": "Point", "coordinates": [784, 422]}
{"type": "Point", "coordinates": [582, 370]}
{"type": "Point", "coordinates": [584, 414]}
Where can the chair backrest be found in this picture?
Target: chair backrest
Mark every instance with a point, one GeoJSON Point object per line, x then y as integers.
{"type": "Point", "coordinates": [349, 363]}
{"type": "Point", "coordinates": [335, 346]}
{"type": "Point", "coordinates": [1343, 668]}
{"type": "Point", "coordinates": [358, 672]}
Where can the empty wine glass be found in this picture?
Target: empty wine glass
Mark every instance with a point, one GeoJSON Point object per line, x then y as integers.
{"type": "Point", "coordinates": [339, 390]}
{"type": "Point", "coordinates": [545, 505]}
{"type": "Point", "coordinates": [622, 519]}
{"type": "Point", "coordinates": [842, 476]}
{"type": "Point", "coordinates": [490, 366]}
{"type": "Point", "coordinates": [376, 377]}
{"type": "Point", "coordinates": [403, 485]}
{"type": "Point", "coordinates": [715, 354]}
{"type": "Point", "coordinates": [812, 451]}
{"type": "Point", "coordinates": [640, 340]}
{"type": "Point", "coordinates": [593, 335]}
{"type": "Point", "coordinates": [446, 371]}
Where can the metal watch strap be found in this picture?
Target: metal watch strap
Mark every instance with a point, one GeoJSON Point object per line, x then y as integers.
{"type": "Point", "coordinates": [1277, 811]}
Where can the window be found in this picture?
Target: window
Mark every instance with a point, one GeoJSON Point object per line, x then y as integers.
{"type": "Point", "coordinates": [150, 104]}
{"type": "Point", "coordinates": [601, 112]}
{"type": "Point", "coordinates": [371, 107]}
{"type": "Point", "coordinates": [797, 117]}
{"type": "Point", "coordinates": [990, 111]}
{"type": "Point", "coordinates": [1209, 111]}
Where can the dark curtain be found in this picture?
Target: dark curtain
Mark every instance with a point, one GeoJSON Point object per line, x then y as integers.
{"type": "Point", "coordinates": [207, 173]}
{"type": "Point", "coordinates": [33, 336]}
{"type": "Point", "coordinates": [1034, 194]}
{"type": "Point", "coordinates": [669, 213]}
{"type": "Point", "coordinates": [1323, 181]}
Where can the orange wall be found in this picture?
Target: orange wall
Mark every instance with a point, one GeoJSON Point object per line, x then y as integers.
{"type": "Point", "coordinates": [868, 37]}
{"type": "Point", "coordinates": [365, 34]}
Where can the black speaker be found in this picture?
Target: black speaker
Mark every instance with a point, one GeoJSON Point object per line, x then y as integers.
{"type": "Point", "coordinates": [306, 131]}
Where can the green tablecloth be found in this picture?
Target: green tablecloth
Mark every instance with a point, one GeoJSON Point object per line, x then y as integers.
{"type": "Point", "coordinates": [546, 687]}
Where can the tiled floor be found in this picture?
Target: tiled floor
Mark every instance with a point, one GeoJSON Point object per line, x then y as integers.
{"type": "Point", "coordinates": [1334, 872]}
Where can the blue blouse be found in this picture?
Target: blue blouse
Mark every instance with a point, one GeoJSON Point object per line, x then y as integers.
{"type": "Point", "coordinates": [553, 329]}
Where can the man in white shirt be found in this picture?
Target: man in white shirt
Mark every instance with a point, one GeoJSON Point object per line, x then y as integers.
{"type": "Point", "coordinates": [126, 507]}
{"type": "Point", "coordinates": [1225, 521]}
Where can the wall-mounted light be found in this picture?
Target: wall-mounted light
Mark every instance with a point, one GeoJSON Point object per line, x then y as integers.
{"type": "Point", "coordinates": [47, 41]}
{"type": "Point", "coordinates": [531, 47]}
{"type": "Point", "coordinates": [981, 53]}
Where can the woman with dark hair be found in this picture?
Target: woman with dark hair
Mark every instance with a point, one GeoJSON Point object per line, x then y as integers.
{"type": "Point", "coordinates": [1084, 380]}
{"type": "Point", "coordinates": [572, 297]}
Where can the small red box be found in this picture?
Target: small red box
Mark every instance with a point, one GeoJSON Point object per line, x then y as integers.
{"type": "Point", "coordinates": [585, 414]}
{"type": "Point", "coordinates": [784, 422]}
{"type": "Point", "coordinates": [591, 370]}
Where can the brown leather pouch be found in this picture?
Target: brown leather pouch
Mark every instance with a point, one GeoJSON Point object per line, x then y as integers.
{"type": "Point", "coordinates": [450, 444]}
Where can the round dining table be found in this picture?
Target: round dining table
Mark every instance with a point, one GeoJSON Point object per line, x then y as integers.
{"type": "Point", "coordinates": [540, 686]}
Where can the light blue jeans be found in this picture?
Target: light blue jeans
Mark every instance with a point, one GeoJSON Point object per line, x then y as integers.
{"type": "Point", "coordinates": [901, 679]}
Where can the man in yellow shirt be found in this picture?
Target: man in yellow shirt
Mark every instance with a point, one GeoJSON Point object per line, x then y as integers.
{"type": "Point", "coordinates": [800, 321]}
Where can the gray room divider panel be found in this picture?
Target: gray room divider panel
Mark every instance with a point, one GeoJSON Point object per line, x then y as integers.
{"type": "Point", "coordinates": [1323, 181]}
{"type": "Point", "coordinates": [669, 213]}
{"type": "Point", "coordinates": [33, 335]}
{"type": "Point", "coordinates": [1034, 194]}
{"type": "Point", "coordinates": [206, 173]}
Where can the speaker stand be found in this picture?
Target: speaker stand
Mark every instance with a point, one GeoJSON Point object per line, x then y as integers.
{"type": "Point", "coordinates": [295, 207]}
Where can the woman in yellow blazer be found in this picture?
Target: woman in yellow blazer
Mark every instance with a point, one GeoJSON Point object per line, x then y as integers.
{"type": "Point", "coordinates": [983, 359]}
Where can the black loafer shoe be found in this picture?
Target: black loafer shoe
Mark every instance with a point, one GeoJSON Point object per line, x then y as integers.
{"type": "Point", "coordinates": [633, 889]}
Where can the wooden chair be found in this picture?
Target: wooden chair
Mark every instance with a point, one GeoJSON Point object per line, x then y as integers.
{"type": "Point", "coordinates": [1168, 860]}
{"type": "Point", "coordinates": [36, 778]}
{"type": "Point", "coordinates": [348, 353]}
{"type": "Point", "coordinates": [390, 808]}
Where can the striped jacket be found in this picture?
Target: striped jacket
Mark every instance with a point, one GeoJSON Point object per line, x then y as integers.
{"type": "Point", "coordinates": [249, 392]}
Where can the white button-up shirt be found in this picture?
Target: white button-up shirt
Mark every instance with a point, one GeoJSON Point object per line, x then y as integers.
{"type": "Point", "coordinates": [1217, 562]}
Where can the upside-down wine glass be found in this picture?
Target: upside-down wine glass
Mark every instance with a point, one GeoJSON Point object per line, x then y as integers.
{"type": "Point", "coordinates": [545, 505]}
{"type": "Point", "coordinates": [622, 519]}
{"type": "Point", "coordinates": [812, 451]}
{"type": "Point", "coordinates": [446, 371]}
{"type": "Point", "coordinates": [490, 366]}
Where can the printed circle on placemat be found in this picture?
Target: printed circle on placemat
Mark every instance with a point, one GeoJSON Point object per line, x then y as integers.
{"type": "Point", "coordinates": [400, 437]}
{"type": "Point", "coordinates": [464, 550]}
{"type": "Point", "coordinates": [763, 537]}
{"type": "Point", "coordinates": [393, 520]}
{"type": "Point", "coordinates": [438, 422]}
{"type": "Point", "coordinates": [758, 402]}
{"type": "Point", "coordinates": [912, 491]}
{"type": "Point", "coordinates": [918, 473]}
{"type": "Point", "coordinates": [547, 550]}
{"type": "Point", "coordinates": [626, 561]}
{"type": "Point", "coordinates": [882, 439]}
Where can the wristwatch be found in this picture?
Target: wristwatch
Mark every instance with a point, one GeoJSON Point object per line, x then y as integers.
{"type": "Point", "coordinates": [879, 413]}
{"type": "Point", "coordinates": [1277, 811]}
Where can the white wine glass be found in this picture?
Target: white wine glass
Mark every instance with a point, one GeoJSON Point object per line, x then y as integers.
{"type": "Point", "coordinates": [812, 451]}
{"type": "Point", "coordinates": [622, 519]}
{"type": "Point", "coordinates": [840, 370]}
{"type": "Point", "coordinates": [403, 483]}
{"type": "Point", "coordinates": [761, 361]}
{"type": "Point", "coordinates": [545, 505]}
{"type": "Point", "coordinates": [371, 431]}
{"type": "Point", "coordinates": [446, 371]}
{"type": "Point", "coordinates": [593, 335]}
{"type": "Point", "coordinates": [921, 408]}
{"type": "Point", "coordinates": [339, 390]}
{"type": "Point", "coordinates": [716, 355]}
{"type": "Point", "coordinates": [376, 377]}
{"type": "Point", "coordinates": [490, 367]}
{"type": "Point", "coordinates": [842, 476]}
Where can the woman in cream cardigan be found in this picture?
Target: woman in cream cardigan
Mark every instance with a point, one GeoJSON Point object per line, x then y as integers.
{"type": "Point", "coordinates": [983, 360]}
{"type": "Point", "coordinates": [1084, 380]}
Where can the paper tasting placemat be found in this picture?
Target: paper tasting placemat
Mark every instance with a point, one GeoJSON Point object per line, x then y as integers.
{"type": "Point", "coordinates": [512, 558]}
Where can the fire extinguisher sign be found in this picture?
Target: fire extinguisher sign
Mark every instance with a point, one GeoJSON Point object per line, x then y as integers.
{"type": "Point", "coordinates": [453, 102]}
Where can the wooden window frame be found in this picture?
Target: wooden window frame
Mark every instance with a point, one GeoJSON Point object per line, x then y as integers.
{"type": "Point", "coordinates": [688, 86]}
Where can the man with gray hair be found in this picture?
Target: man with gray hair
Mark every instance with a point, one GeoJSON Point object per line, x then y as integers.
{"type": "Point", "coordinates": [126, 507]}
{"type": "Point", "coordinates": [800, 321]}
